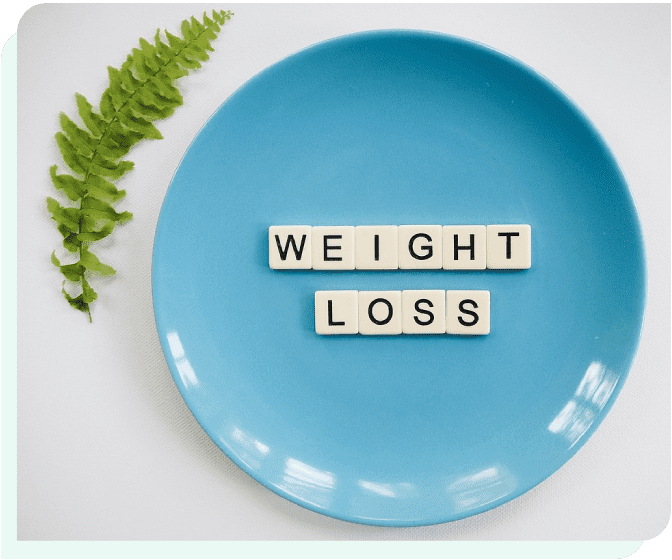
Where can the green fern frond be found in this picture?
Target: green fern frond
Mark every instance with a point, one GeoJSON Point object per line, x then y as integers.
{"type": "Point", "coordinates": [140, 92]}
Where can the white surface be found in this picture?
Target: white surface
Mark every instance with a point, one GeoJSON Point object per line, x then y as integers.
{"type": "Point", "coordinates": [386, 311]}
{"type": "Point", "coordinates": [388, 247]}
{"type": "Point", "coordinates": [331, 243]}
{"type": "Point", "coordinates": [295, 242]}
{"type": "Point", "coordinates": [468, 312]}
{"type": "Point", "coordinates": [519, 253]}
{"type": "Point", "coordinates": [344, 309]}
{"type": "Point", "coordinates": [424, 251]}
{"type": "Point", "coordinates": [464, 260]}
{"type": "Point", "coordinates": [108, 449]}
{"type": "Point", "coordinates": [433, 322]}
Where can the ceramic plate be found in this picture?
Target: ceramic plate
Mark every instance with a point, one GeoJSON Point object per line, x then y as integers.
{"type": "Point", "coordinates": [398, 127]}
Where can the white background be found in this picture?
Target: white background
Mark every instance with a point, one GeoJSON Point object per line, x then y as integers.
{"type": "Point", "coordinates": [107, 448]}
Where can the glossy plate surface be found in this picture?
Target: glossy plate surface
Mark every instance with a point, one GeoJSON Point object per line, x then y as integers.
{"type": "Point", "coordinates": [398, 128]}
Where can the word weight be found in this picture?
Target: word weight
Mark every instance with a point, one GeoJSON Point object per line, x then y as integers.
{"type": "Point", "coordinates": [406, 247]}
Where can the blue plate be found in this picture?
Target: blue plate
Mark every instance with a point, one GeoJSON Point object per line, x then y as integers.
{"type": "Point", "coordinates": [398, 127]}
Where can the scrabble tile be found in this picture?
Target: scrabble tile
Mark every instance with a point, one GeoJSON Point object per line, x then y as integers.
{"type": "Point", "coordinates": [509, 246]}
{"type": "Point", "coordinates": [420, 247]}
{"type": "Point", "coordinates": [336, 312]}
{"type": "Point", "coordinates": [333, 247]}
{"type": "Point", "coordinates": [423, 311]}
{"type": "Point", "coordinates": [377, 247]}
{"type": "Point", "coordinates": [380, 312]}
{"type": "Point", "coordinates": [468, 312]}
{"type": "Point", "coordinates": [289, 247]}
{"type": "Point", "coordinates": [464, 247]}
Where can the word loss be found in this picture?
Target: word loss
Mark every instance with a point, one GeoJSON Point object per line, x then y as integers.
{"type": "Point", "coordinates": [462, 312]}
{"type": "Point", "coordinates": [496, 247]}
